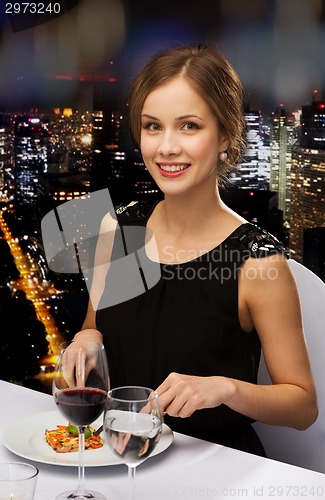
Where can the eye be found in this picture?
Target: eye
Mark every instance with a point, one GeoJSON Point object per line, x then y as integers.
{"type": "Point", "coordinates": [151, 126]}
{"type": "Point", "coordinates": [190, 126]}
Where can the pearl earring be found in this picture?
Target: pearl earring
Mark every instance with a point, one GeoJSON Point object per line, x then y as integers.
{"type": "Point", "coordinates": [223, 156]}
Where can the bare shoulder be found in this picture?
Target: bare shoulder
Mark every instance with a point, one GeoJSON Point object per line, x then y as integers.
{"type": "Point", "coordinates": [122, 214]}
{"type": "Point", "coordinates": [108, 223]}
{"type": "Point", "coordinates": [271, 266]}
{"type": "Point", "coordinates": [268, 293]}
{"type": "Point", "coordinates": [265, 274]}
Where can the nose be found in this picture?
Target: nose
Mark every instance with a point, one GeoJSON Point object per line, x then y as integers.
{"type": "Point", "coordinates": [169, 145]}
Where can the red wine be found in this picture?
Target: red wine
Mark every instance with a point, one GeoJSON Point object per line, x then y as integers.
{"type": "Point", "coordinates": [81, 406]}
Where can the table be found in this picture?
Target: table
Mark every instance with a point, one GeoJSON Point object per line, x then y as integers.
{"type": "Point", "coordinates": [189, 469]}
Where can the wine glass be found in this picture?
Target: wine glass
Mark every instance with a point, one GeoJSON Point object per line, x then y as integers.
{"type": "Point", "coordinates": [132, 424]}
{"type": "Point", "coordinates": [80, 387]}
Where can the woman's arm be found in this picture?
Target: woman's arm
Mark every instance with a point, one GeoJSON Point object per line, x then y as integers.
{"type": "Point", "coordinates": [267, 290]}
{"type": "Point", "coordinates": [273, 304]}
{"type": "Point", "coordinates": [101, 266]}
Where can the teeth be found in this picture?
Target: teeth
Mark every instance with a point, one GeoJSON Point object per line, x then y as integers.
{"type": "Point", "coordinates": [173, 168]}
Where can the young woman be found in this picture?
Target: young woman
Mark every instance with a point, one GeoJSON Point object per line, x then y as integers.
{"type": "Point", "coordinates": [225, 290]}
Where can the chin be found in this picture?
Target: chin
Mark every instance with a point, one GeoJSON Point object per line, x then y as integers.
{"type": "Point", "coordinates": [172, 190]}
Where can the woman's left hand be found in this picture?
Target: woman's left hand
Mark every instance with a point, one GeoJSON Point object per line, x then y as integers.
{"type": "Point", "coordinates": [181, 395]}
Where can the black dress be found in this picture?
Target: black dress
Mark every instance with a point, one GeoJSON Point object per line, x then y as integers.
{"type": "Point", "coordinates": [188, 323]}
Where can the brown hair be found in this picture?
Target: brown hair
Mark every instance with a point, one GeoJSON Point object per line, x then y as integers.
{"type": "Point", "coordinates": [207, 70]}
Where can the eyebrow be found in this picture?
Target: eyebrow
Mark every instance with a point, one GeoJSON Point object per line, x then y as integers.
{"type": "Point", "coordinates": [178, 118]}
{"type": "Point", "coordinates": [184, 117]}
{"type": "Point", "coordinates": [149, 116]}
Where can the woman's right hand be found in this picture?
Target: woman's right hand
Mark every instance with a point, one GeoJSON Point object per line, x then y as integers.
{"type": "Point", "coordinates": [80, 357]}
{"type": "Point", "coordinates": [88, 334]}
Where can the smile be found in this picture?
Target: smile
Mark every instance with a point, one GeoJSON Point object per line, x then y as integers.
{"type": "Point", "coordinates": [173, 167]}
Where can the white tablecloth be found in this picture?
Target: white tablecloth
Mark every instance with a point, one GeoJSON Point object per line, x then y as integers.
{"type": "Point", "coordinates": [189, 469]}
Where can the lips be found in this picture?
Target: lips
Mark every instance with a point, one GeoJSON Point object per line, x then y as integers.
{"type": "Point", "coordinates": [173, 169]}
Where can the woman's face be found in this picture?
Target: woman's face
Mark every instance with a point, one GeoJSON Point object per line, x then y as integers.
{"type": "Point", "coordinates": [180, 138]}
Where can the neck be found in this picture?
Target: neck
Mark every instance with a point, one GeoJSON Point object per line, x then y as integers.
{"type": "Point", "coordinates": [189, 212]}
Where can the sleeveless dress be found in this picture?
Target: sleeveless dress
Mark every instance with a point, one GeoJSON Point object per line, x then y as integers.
{"type": "Point", "coordinates": [188, 323]}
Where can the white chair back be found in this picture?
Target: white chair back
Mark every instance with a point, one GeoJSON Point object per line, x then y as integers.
{"type": "Point", "coordinates": [303, 448]}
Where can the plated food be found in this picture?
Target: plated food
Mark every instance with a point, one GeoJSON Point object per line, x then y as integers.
{"type": "Point", "coordinates": [25, 437]}
{"type": "Point", "coordinates": [65, 438]}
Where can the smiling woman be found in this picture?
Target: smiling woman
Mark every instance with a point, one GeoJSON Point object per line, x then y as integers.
{"type": "Point", "coordinates": [178, 127]}
{"type": "Point", "coordinates": [211, 77]}
{"type": "Point", "coordinates": [196, 335]}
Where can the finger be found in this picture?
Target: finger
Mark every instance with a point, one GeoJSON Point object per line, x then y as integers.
{"type": "Point", "coordinates": [81, 368]}
{"type": "Point", "coordinates": [151, 405]}
{"type": "Point", "coordinates": [165, 400]}
{"type": "Point", "coordinates": [176, 405]}
{"type": "Point", "coordinates": [166, 394]}
{"type": "Point", "coordinates": [68, 367]}
{"type": "Point", "coordinates": [186, 411]}
{"type": "Point", "coordinates": [166, 384]}
{"type": "Point", "coordinates": [90, 365]}
{"type": "Point", "coordinates": [91, 353]}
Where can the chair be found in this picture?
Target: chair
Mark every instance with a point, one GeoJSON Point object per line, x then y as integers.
{"type": "Point", "coordinates": [303, 448]}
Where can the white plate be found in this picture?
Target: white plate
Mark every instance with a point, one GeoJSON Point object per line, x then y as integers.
{"type": "Point", "coordinates": [26, 439]}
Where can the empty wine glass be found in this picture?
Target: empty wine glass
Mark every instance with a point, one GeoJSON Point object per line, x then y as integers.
{"type": "Point", "coordinates": [80, 386]}
{"type": "Point", "coordinates": [132, 424]}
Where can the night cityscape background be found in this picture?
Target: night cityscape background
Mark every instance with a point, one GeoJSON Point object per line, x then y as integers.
{"type": "Point", "coordinates": [64, 79]}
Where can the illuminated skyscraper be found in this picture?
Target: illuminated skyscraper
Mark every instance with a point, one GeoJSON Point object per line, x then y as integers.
{"type": "Point", "coordinates": [144, 186]}
{"type": "Point", "coordinates": [30, 155]}
{"type": "Point", "coordinates": [2, 160]}
{"type": "Point", "coordinates": [109, 162]}
{"type": "Point", "coordinates": [282, 139]}
{"type": "Point", "coordinates": [246, 175]}
{"type": "Point", "coordinates": [313, 126]}
{"type": "Point", "coordinates": [109, 153]}
{"type": "Point", "coordinates": [6, 161]}
{"type": "Point", "coordinates": [308, 180]}
{"type": "Point", "coordinates": [117, 163]}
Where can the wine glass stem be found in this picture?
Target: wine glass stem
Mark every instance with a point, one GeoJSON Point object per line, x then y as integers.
{"type": "Point", "coordinates": [81, 465]}
{"type": "Point", "coordinates": [131, 474]}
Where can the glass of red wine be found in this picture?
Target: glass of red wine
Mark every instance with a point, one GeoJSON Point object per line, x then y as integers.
{"type": "Point", "coordinates": [80, 386]}
{"type": "Point", "coordinates": [132, 424]}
